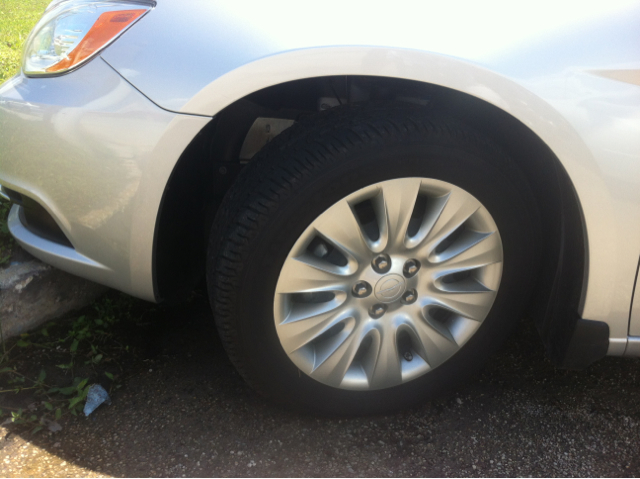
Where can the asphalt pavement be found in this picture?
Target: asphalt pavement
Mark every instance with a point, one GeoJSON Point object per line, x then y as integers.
{"type": "Point", "coordinates": [183, 411]}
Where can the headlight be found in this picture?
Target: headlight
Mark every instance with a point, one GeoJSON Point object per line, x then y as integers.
{"type": "Point", "coordinates": [72, 31]}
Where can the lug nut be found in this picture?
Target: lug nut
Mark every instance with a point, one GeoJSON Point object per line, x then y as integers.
{"type": "Point", "coordinates": [411, 267]}
{"type": "Point", "coordinates": [377, 311]}
{"type": "Point", "coordinates": [381, 263]}
{"type": "Point", "coordinates": [321, 250]}
{"type": "Point", "coordinates": [410, 296]}
{"type": "Point", "coordinates": [408, 356]}
{"type": "Point", "coordinates": [361, 289]}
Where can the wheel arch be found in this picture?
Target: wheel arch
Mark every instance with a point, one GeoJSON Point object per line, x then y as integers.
{"type": "Point", "coordinates": [207, 168]}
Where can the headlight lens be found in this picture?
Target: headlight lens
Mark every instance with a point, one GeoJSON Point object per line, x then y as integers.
{"type": "Point", "coordinates": [71, 32]}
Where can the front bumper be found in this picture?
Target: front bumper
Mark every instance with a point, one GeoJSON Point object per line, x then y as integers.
{"type": "Point", "coordinates": [96, 155]}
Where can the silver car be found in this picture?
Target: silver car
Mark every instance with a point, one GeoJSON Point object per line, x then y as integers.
{"type": "Point", "coordinates": [375, 193]}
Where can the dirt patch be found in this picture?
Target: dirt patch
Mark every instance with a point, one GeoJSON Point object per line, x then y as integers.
{"type": "Point", "coordinates": [182, 410]}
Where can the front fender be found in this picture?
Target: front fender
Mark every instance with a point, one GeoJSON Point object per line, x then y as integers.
{"type": "Point", "coordinates": [533, 60]}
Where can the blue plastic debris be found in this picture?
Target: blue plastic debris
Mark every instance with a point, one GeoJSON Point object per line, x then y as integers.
{"type": "Point", "coordinates": [96, 396]}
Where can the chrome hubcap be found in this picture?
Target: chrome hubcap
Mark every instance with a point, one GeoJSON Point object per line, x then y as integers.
{"type": "Point", "coordinates": [388, 283]}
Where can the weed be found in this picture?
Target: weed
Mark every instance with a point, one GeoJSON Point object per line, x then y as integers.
{"type": "Point", "coordinates": [84, 351]}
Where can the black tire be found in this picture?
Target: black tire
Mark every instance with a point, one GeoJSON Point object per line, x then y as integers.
{"type": "Point", "coordinates": [306, 170]}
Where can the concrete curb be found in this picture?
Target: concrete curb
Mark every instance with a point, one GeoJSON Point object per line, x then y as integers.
{"type": "Point", "coordinates": [32, 293]}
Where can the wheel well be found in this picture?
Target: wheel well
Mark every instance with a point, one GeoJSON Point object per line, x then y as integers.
{"type": "Point", "coordinates": [209, 166]}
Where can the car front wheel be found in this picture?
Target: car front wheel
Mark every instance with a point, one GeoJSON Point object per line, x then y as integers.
{"type": "Point", "coordinates": [371, 258]}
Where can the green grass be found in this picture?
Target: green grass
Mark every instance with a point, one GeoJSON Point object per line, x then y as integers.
{"type": "Point", "coordinates": [17, 18]}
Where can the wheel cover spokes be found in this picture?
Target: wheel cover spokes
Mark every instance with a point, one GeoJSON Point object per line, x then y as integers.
{"type": "Point", "coordinates": [388, 283]}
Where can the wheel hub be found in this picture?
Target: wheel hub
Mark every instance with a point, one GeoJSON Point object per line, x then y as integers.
{"type": "Point", "coordinates": [390, 288]}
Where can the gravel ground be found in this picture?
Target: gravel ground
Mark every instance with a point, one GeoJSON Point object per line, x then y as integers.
{"type": "Point", "coordinates": [183, 411]}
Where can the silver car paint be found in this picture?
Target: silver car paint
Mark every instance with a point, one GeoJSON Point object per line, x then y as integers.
{"type": "Point", "coordinates": [93, 151]}
{"type": "Point", "coordinates": [552, 65]}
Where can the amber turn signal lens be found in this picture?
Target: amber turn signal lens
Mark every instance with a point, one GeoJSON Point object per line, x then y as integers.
{"type": "Point", "coordinates": [107, 27]}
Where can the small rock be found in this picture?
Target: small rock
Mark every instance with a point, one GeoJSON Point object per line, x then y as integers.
{"type": "Point", "coordinates": [53, 426]}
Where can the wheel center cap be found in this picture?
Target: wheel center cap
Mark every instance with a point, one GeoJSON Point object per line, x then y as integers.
{"type": "Point", "coordinates": [389, 288]}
